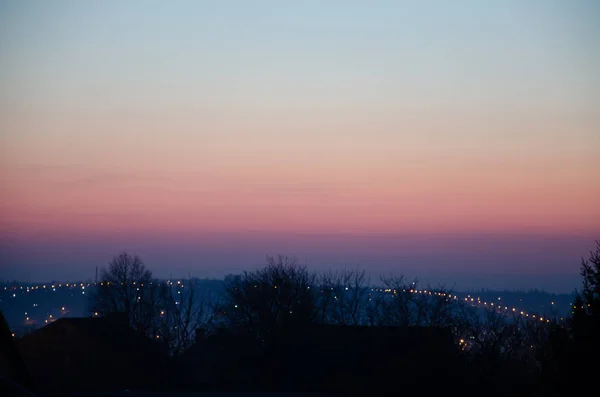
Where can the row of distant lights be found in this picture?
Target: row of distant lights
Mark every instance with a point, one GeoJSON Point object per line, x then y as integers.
{"type": "Point", "coordinates": [468, 299]}
{"type": "Point", "coordinates": [73, 285]}
{"type": "Point", "coordinates": [388, 290]}
{"type": "Point", "coordinates": [53, 287]}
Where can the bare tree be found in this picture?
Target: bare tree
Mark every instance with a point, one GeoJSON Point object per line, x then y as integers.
{"type": "Point", "coordinates": [399, 307]}
{"type": "Point", "coordinates": [403, 303]}
{"type": "Point", "coordinates": [183, 312]}
{"type": "Point", "coordinates": [377, 309]}
{"type": "Point", "coordinates": [276, 297]}
{"type": "Point", "coordinates": [343, 297]}
{"type": "Point", "coordinates": [126, 286]}
{"type": "Point", "coordinates": [590, 292]}
{"type": "Point", "coordinates": [435, 307]}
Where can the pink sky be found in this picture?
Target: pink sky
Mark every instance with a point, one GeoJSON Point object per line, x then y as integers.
{"type": "Point", "coordinates": [122, 125]}
{"type": "Point", "coordinates": [538, 179]}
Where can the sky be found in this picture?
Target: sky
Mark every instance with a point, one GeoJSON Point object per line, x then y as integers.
{"type": "Point", "coordinates": [453, 141]}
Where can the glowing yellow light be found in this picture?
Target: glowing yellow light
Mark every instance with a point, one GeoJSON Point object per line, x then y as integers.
{"type": "Point", "coordinates": [63, 308]}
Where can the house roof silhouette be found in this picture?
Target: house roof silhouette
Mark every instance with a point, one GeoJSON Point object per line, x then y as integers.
{"type": "Point", "coordinates": [91, 353]}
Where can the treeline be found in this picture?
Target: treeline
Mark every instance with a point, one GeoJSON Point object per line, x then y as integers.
{"type": "Point", "coordinates": [285, 296]}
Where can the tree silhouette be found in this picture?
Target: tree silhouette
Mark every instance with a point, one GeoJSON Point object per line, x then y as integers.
{"type": "Point", "coordinates": [126, 286]}
{"type": "Point", "coordinates": [264, 302]}
{"type": "Point", "coordinates": [183, 311]}
{"type": "Point", "coordinates": [585, 320]}
{"type": "Point", "coordinates": [343, 297]}
{"type": "Point", "coordinates": [590, 292]}
{"type": "Point", "coordinates": [586, 307]}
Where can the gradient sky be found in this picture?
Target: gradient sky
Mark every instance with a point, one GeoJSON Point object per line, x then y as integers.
{"type": "Point", "coordinates": [456, 140]}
